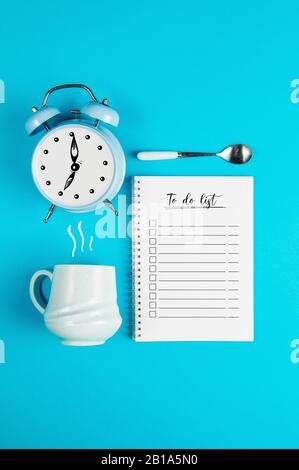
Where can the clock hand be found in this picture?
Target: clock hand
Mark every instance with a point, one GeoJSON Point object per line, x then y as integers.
{"type": "Point", "coordinates": [74, 149]}
{"type": "Point", "coordinates": [69, 180]}
{"type": "Point", "coordinates": [111, 206]}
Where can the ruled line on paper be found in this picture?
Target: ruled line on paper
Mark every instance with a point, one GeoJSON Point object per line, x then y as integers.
{"type": "Point", "coordinates": [190, 253]}
{"type": "Point", "coordinates": [178, 235]}
{"type": "Point", "coordinates": [192, 308]}
{"type": "Point", "coordinates": [196, 244]}
{"type": "Point", "coordinates": [180, 271]}
{"type": "Point", "coordinates": [198, 307]}
{"type": "Point", "coordinates": [191, 262]}
{"type": "Point", "coordinates": [175, 237]}
{"type": "Point", "coordinates": [194, 207]}
{"type": "Point", "coordinates": [194, 298]}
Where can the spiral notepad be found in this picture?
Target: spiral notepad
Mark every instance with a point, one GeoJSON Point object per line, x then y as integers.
{"type": "Point", "coordinates": [193, 258]}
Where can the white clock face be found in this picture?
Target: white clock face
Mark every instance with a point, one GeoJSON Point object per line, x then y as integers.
{"type": "Point", "coordinates": [73, 166]}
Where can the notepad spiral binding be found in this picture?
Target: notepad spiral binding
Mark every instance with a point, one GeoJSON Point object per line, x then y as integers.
{"type": "Point", "coordinates": [136, 265]}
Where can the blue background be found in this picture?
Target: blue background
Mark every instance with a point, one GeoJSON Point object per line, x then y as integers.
{"type": "Point", "coordinates": [183, 75]}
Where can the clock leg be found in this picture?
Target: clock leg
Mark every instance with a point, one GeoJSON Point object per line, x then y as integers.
{"type": "Point", "coordinates": [50, 212]}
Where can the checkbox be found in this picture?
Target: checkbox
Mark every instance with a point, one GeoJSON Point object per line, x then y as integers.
{"type": "Point", "coordinates": [152, 241]}
{"type": "Point", "coordinates": [153, 250]}
{"type": "Point", "coordinates": [152, 232]}
{"type": "Point", "coordinates": [153, 295]}
{"type": "Point", "coordinates": [152, 259]}
{"type": "Point", "coordinates": [153, 287]}
{"type": "Point", "coordinates": [152, 223]}
{"type": "Point", "coordinates": [153, 305]}
{"type": "Point", "coordinates": [153, 314]}
{"type": "Point", "coordinates": [153, 269]}
{"type": "Point", "coordinates": [153, 277]}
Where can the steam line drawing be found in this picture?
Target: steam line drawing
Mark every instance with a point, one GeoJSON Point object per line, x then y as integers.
{"type": "Point", "coordinates": [69, 231]}
{"type": "Point", "coordinates": [90, 243]}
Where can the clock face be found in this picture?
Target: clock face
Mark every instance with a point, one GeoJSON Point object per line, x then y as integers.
{"type": "Point", "coordinates": [73, 166]}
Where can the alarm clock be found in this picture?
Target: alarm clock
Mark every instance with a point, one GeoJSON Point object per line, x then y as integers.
{"type": "Point", "coordinates": [78, 164]}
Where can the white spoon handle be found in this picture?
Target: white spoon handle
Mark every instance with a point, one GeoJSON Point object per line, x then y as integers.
{"type": "Point", "coordinates": [157, 155]}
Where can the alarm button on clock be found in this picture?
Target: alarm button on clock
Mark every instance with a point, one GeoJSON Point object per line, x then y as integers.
{"type": "Point", "coordinates": [73, 166]}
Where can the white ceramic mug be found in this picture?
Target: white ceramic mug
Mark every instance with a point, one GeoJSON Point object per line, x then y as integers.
{"type": "Point", "coordinates": [82, 307]}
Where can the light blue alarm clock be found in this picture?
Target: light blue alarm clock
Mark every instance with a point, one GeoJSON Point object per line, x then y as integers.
{"type": "Point", "coordinates": [78, 164]}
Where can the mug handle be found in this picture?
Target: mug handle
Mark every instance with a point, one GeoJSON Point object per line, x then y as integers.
{"type": "Point", "coordinates": [36, 281]}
